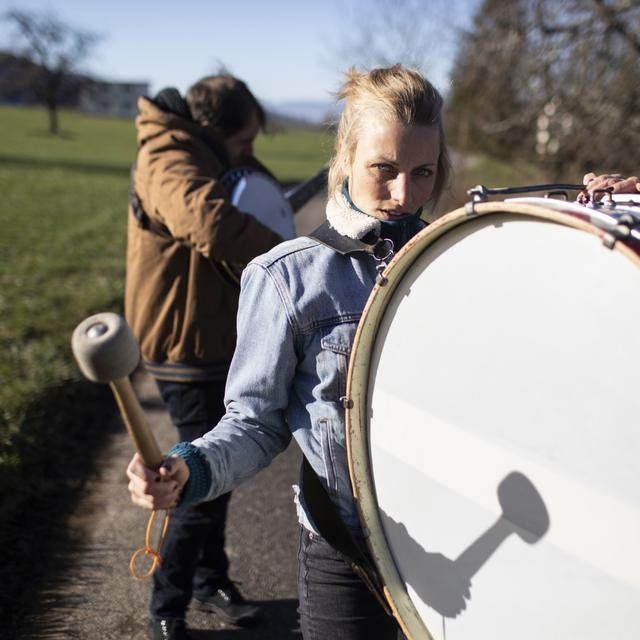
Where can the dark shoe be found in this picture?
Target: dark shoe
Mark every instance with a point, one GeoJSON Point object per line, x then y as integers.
{"type": "Point", "coordinates": [169, 629]}
{"type": "Point", "coordinates": [229, 605]}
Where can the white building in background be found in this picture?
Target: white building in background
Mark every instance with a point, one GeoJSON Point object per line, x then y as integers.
{"type": "Point", "coordinates": [112, 98]}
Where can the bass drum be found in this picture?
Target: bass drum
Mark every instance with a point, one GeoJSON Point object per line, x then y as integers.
{"type": "Point", "coordinates": [255, 192]}
{"type": "Point", "coordinates": [493, 424]}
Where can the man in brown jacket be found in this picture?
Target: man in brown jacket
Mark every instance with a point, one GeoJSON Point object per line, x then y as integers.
{"type": "Point", "coordinates": [181, 304]}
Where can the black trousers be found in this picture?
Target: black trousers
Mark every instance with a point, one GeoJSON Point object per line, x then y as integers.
{"type": "Point", "coordinates": [334, 602]}
{"type": "Point", "coordinates": [193, 556]}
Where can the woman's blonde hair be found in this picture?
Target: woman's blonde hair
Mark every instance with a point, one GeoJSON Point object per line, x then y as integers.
{"type": "Point", "coordinates": [396, 93]}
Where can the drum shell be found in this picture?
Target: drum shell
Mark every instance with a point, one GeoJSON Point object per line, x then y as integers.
{"type": "Point", "coordinates": [439, 238]}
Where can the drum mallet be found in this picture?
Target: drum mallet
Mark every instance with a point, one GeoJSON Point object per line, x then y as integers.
{"type": "Point", "coordinates": [107, 352]}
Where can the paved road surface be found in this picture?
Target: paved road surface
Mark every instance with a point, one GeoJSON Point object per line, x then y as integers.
{"type": "Point", "coordinates": [99, 599]}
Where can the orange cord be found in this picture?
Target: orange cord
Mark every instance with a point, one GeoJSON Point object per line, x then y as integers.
{"type": "Point", "coordinates": [148, 550]}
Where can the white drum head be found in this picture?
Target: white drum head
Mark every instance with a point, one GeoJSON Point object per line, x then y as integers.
{"type": "Point", "coordinates": [497, 461]}
{"type": "Point", "coordinates": [257, 194]}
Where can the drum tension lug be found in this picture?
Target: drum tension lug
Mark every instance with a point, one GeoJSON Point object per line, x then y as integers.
{"type": "Point", "coordinates": [621, 231]}
{"type": "Point", "coordinates": [479, 193]}
{"type": "Point", "coordinates": [470, 208]}
{"type": "Point", "coordinates": [346, 402]}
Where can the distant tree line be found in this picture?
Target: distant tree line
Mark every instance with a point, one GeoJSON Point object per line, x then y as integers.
{"type": "Point", "coordinates": [556, 82]}
{"type": "Point", "coordinates": [20, 79]}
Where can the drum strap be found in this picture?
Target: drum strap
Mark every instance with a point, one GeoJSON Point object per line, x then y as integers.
{"type": "Point", "coordinates": [380, 249]}
{"type": "Point", "coordinates": [325, 517]}
{"type": "Point", "coordinates": [321, 508]}
{"type": "Point", "coordinates": [141, 215]}
{"type": "Point", "coordinates": [344, 245]}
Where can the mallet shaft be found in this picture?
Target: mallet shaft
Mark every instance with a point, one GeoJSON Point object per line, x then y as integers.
{"type": "Point", "coordinates": [136, 423]}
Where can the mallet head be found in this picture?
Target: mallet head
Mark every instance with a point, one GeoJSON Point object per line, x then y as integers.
{"type": "Point", "coordinates": [105, 348]}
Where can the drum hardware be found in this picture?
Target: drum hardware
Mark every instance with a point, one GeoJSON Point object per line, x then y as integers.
{"type": "Point", "coordinates": [622, 230]}
{"type": "Point", "coordinates": [382, 253]}
{"type": "Point", "coordinates": [599, 202]}
{"type": "Point", "coordinates": [480, 193]}
{"type": "Point", "coordinates": [380, 249]}
{"type": "Point", "coordinates": [346, 402]}
{"type": "Point", "coordinates": [618, 201]}
{"type": "Point", "coordinates": [610, 217]}
{"type": "Point", "coordinates": [557, 194]}
{"type": "Point", "coordinates": [470, 207]}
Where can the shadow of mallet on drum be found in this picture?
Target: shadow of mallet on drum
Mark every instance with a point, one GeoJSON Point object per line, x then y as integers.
{"type": "Point", "coordinates": [444, 584]}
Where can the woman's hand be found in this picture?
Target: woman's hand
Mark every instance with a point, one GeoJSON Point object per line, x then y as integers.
{"type": "Point", "coordinates": [619, 183]}
{"type": "Point", "coordinates": [159, 489]}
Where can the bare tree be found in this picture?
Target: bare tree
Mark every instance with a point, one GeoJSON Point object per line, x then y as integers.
{"type": "Point", "coordinates": [412, 32]}
{"type": "Point", "coordinates": [554, 82]}
{"type": "Point", "coordinates": [54, 51]}
{"type": "Point", "coordinates": [490, 99]}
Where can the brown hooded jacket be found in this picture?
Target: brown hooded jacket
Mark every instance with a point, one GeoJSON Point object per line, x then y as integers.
{"type": "Point", "coordinates": [179, 300]}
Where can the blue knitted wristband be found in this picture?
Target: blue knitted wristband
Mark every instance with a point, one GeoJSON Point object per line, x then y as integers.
{"type": "Point", "coordinates": [199, 482]}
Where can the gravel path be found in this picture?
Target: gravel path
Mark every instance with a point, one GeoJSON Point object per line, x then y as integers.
{"type": "Point", "coordinates": [97, 597]}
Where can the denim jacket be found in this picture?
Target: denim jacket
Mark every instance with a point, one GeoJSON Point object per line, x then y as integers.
{"type": "Point", "coordinates": [300, 305]}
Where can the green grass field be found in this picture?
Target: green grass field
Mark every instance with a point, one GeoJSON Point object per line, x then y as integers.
{"type": "Point", "coordinates": [63, 217]}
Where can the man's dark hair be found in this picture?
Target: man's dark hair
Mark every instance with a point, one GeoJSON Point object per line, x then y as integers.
{"type": "Point", "coordinates": [224, 103]}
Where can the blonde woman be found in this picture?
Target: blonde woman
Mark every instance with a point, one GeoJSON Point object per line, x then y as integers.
{"type": "Point", "coordinates": [299, 308]}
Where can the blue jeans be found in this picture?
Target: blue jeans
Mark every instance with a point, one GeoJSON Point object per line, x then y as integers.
{"type": "Point", "coordinates": [193, 556]}
{"type": "Point", "coordinates": [334, 602]}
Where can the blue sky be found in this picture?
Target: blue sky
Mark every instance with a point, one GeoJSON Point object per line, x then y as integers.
{"type": "Point", "coordinates": [287, 50]}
